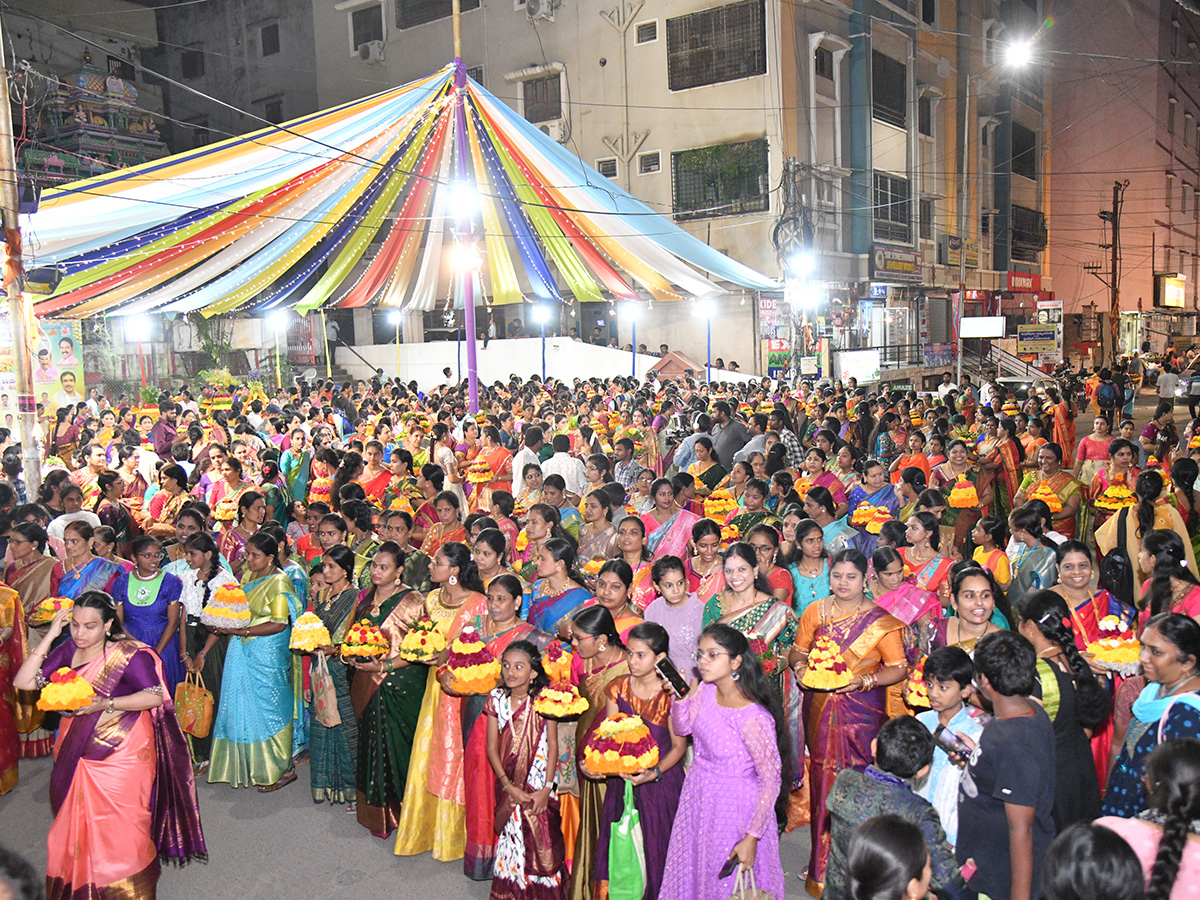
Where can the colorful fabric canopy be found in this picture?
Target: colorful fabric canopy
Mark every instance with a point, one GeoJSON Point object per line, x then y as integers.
{"type": "Point", "coordinates": [366, 204]}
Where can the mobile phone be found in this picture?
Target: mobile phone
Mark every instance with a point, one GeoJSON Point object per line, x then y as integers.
{"type": "Point", "coordinates": [951, 742]}
{"type": "Point", "coordinates": [969, 869]}
{"type": "Point", "coordinates": [667, 670]}
{"type": "Point", "coordinates": [727, 869]}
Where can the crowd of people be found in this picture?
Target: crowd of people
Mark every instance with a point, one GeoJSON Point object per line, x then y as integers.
{"type": "Point", "coordinates": [879, 605]}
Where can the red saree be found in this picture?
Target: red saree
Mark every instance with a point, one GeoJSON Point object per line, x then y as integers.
{"type": "Point", "coordinates": [12, 654]}
{"type": "Point", "coordinates": [1064, 433]}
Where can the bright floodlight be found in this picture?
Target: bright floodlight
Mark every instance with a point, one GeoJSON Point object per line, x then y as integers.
{"type": "Point", "coordinates": [541, 315]}
{"type": "Point", "coordinates": [277, 319]}
{"type": "Point", "coordinates": [463, 197]}
{"type": "Point", "coordinates": [1019, 53]}
{"type": "Point", "coordinates": [138, 328]}
{"type": "Point", "coordinates": [810, 297]}
{"type": "Point", "coordinates": [631, 310]}
{"type": "Point", "coordinates": [705, 307]}
{"type": "Point", "coordinates": [395, 317]}
{"type": "Point", "coordinates": [465, 257]}
{"type": "Point", "coordinates": [801, 264]}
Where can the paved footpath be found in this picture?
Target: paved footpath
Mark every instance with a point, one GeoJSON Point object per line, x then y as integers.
{"type": "Point", "coordinates": [281, 845]}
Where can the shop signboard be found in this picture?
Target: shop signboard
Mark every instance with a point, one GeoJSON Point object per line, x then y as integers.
{"type": "Point", "coordinates": [1034, 340]}
{"type": "Point", "coordinates": [891, 264]}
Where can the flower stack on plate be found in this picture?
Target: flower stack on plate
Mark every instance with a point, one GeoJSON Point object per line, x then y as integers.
{"type": "Point", "coordinates": [916, 691]}
{"type": "Point", "coordinates": [826, 670]}
{"type": "Point", "coordinates": [365, 641]}
{"type": "Point", "coordinates": [1046, 494]}
{"type": "Point", "coordinates": [423, 642]}
{"type": "Point", "coordinates": [479, 471]}
{"type": "Point", "coordinates": [719, 504]}
{"type": "Point", "coordinates": [66, 692]}
{"type": "Point", "coordinates": [472, 668]}
{"type": "Point", "coordinates": [1117, 650]}
{"type": "Point", "coordinates": [963, 495]}
{"type": "Point", "coordinates": [620, 745]}
{"type": "Point", "coordinates": [560, 700]}
{"type": "Point", "coordinates": [309, 633]}
{"type": "Point", "coordinates": [862, 514]}
{"type": "Point", "coordinates": [226, 608]}
{"type": "Point", "coordinates": [44, 612]}
{"type": "Point", "coordinates": [556, 662]}
{"type": "Point", "coordinates": [1116, 496]}
{"type": "Point", "coordinates": [879, 518]}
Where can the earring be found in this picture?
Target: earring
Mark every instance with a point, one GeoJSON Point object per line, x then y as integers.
{"type": "Point", "coordinates": [736, 675]}
{"type": "Point", "coordinates": [452, 580]}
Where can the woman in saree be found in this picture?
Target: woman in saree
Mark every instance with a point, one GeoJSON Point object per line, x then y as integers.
{"type": "Point", "coordinates": [914, 457]}
{"type": "Point", "coordinates": [110, 510]}
{"type": "Point", "coordinates": [753, 510]}
{"type": "Point", "coordinates": [816, 475]}
{"type": "Point", "coordinates": [613, 593]}
{"type": "Point", "coordinates": [30, 575]}
{"type": "Point", "coordinates": [946, 476]}
{"type": "Point", "coordinates": [133, 482]}
{"type": "Point", "coordinates": [499, 463]}
{"type": "Point", "coordinates": [846, 467]}
{"type": "Point", "coordinates": [490, 557]}
{"type": "Point", "coordinates": [296, 464]}
{"type": "Point", "coordinates": [735, 482]}
{"type": "Point", "coordinates": [875, 491]}
{"type": "Point", "coordinates": [706, 570]}
{"type": "Point", "coordinates": [531, 487]}
{"type": "Point", "coordinates": [430, 479]}
{"type": "Point", "coordinates": [252, 734]}
{"type": "Point", "coordinates": [386, 694]}
{"type": "Point", "coordinates": [841, 725]}
{"type": "Point", "coordinates": [808, 566]}
{"type": "Point", "coordinates": [122, 791]}
{"type": "Point", "coordinates": [251, 513]}
{"type": "Point", "coordinates": [542, 523]}
{"type": "Point", "coordinates": [225, 493]}
{"type": "Point", "coordinates": [149, 608]}
{"type": "Point", "coordinates": [1032, 439]}
{"type": "Point", "coordinates": [1063, 432]}
{"type": "Point", "coordinates": [80, 569]}
{"type": "Point", "coordinates": [706, 470]}
{"type": "Point", "coordinates": [498, 627]}
{"type": "Point", "coordinates": [641, 500]}
{"type": "Point", "coordinates": [273, 494]}
{"type": "Point", "coordinates": [645, 441]}
{"type": "Point", "coordinates": [1034, 563]}
{"type": "Point", "coordinates": [1003, 455]}
{"type": "Point", "coordinates": [433, 812]}
{"type": "Point", "coordinates": [597, 535]}
{"type": "Point", "coordinates": [1091, 453]}
{"type": "Point", "coordinates": [975, 609]}
{"type": "Point", "coordinates": [631, 547]}
{"type": "Point", "coordinates": [158, 520]}
{"type": "Point", "coordinates": [1050, 476]}
{"type": "Point", "coordinates": [375, 477]}
{"type": "Point", "coordinates": [14, 648]}
{"type": "Point", "coordinates": [765, 541]}
{"type": "Point", "coordinates": [1122, 455]}
{"type": "Point", "coordinates": [668, 528]}
{"type": "Point", "coordinates": [334, 749]}
{"type": "Point", "coordinates": [929, 565]}
{"type": "Point", "coordinates": [559, 589]}
{"type": "Point", "coordinates": [448, 529]}
{"type": "Point", "coordinates": [600, 659]}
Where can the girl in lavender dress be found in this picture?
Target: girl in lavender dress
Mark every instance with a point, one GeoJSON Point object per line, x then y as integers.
{"type": "Point", "coordinates": [736, 791]}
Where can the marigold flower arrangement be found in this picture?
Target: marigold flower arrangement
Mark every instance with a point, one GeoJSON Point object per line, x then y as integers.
{"type": "Point", "coordinates": [66, 692]}
{"type": "Point", "coordinates": [963, 495]}
{"type": "Point", "coordinates": [1117, 650]}
{"type": "Point", "coordinates": [423, 642]}
{"type": "Point", "coordinates": [719, 504]}
{"type": "Point", "coordinates": [401, 503]}
{"type": "Point", "coordinates": [826, 670]}
{"type": "Point", "coordinates": [1046, 494]}
{"type": "Point", "coordinates": [878, 519]}
{"type": "Point", "coordinates": [862, 514]}
{"type": "Point", "coordinates": [479, 472]}
{"type": "Point", "coordinates": [593, 566]}
{"type": "Point", "coordinates": [1153, 463]}
{"type": "Point", "coordinates": [1116, 496]}
{"type": "Point", "coordinates": [522, 540]}
{"type": "Point", "coordinates": [227, 608]}
{"type": "Point", "coordinates": [916, 691]}
{"type": "Point", "coordinates": [560, 700]}
{"type": "Point", "coordinates": [309, 633]}
{"type": "Point", "coordinates": [768, 659]}
{"type": "Point", "coordinates": [1194, 443]}
{"type": "Point", "coordinates": [45, 611]}
{"type": "Point", "coordinates": [556, 662]}
{"type": "Point", "coordinates": [729, 534]}
{"type": "Point", "coordinates": [365, 641]}
{"type": "Point", "coordinates": [802, 486]}
{"type": "Point", "coordinates": [620, 745]}
{"type": "Point", "coordinates": [1010, 407]}
{"type": "Point", "coordinates": [472, 668]}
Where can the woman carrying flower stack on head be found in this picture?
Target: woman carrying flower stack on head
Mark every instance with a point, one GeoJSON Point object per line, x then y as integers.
{"type": "Point", "coordinates": [121, 790]}
{"type": "Point", "coordinates": [643, 693]}
{"type": "Point", "coordinates": [252, 734]}
{"type": "Point", "coordinates": [433, 814]}
{"type": "Point", "coordinates": [1058, 489]}
{"type": "Point", "coordinates": [736, 792]}
{"type": "Point", "coordinates": [386, 694]}
{"type": "Point", "coordinates": [494, 631]}
{"type": "Point", "coordinates": [599, 660]}
{"type": "Point", "coordinates": [846, 653]}
{"type": "Point", "coordinates": [522, 751]}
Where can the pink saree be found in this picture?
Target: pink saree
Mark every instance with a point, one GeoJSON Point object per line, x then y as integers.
{"type": "Point", "coordinates": [672, 538]}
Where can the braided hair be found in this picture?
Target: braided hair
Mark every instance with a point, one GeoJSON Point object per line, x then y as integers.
{"type": "Point", "coordinates": [1049, 614]}
{"type": "Point", "coordinates": [1173, 771]}
{"type": "Point", "coordinates": [1147, 487]}
{"type": "Point", "coordinates": [1167, 550]}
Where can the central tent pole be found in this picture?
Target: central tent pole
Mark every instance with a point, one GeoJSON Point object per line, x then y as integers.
{"type": "Point", "coordinates": [465, 226]}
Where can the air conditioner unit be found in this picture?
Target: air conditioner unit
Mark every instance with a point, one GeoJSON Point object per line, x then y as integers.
{"type": "Point", "coordinates": [553, 129]}
{"type": "Point", "coordinates": [540, 9]}
{"type": "Point", "coordinates": [371, 51]}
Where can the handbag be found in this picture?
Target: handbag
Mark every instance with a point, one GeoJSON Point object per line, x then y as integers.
{"type": "Point", "coordinates": [324, 694]}
{"type": "Point", "coordinates": [194, 705]}
{"type": "Point", "coordinates": [626, 853]}
{"type": "Point", "coordinates": [1116, 569]}
{"type": "Point", "coordinates": [744, 887]}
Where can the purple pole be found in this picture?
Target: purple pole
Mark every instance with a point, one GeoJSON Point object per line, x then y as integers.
{"type": "Point", "coordinates": [467, 285]}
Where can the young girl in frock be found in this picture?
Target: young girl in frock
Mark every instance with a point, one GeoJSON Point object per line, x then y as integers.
{"type": "Point", "coordinates": [736, 792]}
{"type": "Point", "coordinates": [656, 790]}
{"type": "Point", "coordinates": [529, 854]}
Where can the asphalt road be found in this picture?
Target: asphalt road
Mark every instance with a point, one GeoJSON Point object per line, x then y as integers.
{"type": "Point", "coordinates": [281, 845]}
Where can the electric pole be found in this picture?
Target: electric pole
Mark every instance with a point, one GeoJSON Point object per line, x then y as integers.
{"type": "Point", "coordinates": [792, 238]}
{"type": "Point", "coordinates": [1114, 309]}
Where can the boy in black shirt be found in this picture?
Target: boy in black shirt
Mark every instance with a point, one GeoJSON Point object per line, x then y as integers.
{"type": "Point", "coordinates": [1006, 795]}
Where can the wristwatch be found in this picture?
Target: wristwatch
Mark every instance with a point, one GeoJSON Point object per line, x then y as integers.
{"type": "Point", "coordinates": [112, 704]}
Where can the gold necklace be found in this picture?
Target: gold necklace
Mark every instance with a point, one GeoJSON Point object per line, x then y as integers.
{"type": "Point", "coordinates": [439, 611]}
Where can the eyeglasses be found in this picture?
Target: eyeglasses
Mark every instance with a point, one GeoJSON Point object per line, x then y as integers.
{"type": "Point", "coordinates": [711, 655]}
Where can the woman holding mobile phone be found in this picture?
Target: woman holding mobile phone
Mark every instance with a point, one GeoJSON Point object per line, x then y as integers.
{"type": "Point", "coordinates": [643, 692]}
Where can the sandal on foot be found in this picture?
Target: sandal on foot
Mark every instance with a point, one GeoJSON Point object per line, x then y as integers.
{"type": "Point", "coordinates": [284, 780]}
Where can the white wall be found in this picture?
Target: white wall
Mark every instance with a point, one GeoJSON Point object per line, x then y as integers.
{"type": "Point", "coordinates": [565, 359]}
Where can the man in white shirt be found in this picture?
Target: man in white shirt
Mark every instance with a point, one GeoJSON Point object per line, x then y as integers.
{"type": "Point", "coordinates": [1168, 381]}
{"type": "Point", "coordinates": [946, 386]}
{"type": "Point", "coordinates": [562, 463]}
{"type": "Point", "coordinates": [526, 455]}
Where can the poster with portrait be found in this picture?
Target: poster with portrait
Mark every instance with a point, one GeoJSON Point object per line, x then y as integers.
{"type": "Point", "coordinates": [58, 363]}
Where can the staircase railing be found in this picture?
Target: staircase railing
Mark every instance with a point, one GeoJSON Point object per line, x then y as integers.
{"type": "Point", "coordinates": [341, 343]}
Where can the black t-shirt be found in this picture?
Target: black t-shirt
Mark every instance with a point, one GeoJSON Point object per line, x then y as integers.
{"type": "Point", "coordinates": [1014, 763]}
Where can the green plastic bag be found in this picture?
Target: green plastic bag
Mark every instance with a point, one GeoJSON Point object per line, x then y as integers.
{"type": "Point", "coordinates": [626, 855]}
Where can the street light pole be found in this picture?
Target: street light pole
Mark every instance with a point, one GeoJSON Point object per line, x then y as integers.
{"type": "Point", "coordinates": [396, 316]}
{"type": "Point", "coordinates": [962, 231]}
{"type": "Point", "coordinates": [541, 315]}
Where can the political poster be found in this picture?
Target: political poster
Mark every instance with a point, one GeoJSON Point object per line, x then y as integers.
{"type": "Point", "coordinates": [58, 363]}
